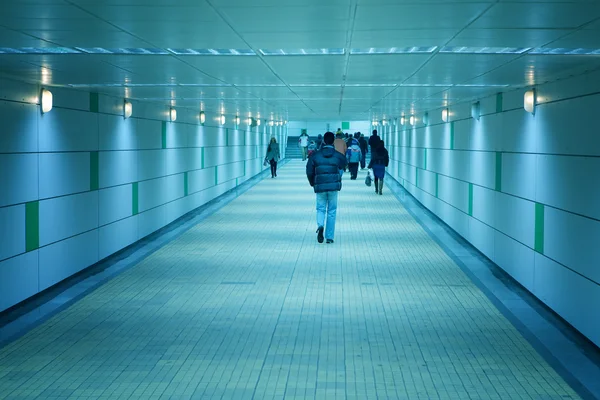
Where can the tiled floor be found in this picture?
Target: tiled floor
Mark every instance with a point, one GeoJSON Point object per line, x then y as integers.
{"type": "Point", "coordinates": [247, 305]}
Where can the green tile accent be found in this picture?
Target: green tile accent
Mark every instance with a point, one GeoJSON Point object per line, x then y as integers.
{"type": "Point", "coordinates": [185, 184]}
{"type": "Point", "coordinates": [94, 102]}
{"type": "Point", "coordinates": [539, 228]}
{"type": "Point", "coordinates": [94, 170]}
{"type": "Point", "coordinates": [32, 225]}
{"type": "Point", "coordinates": [202, 155]}
{"type": "Point", "coordinates": [236, 182]}
{"type": "Point", "coordinates": [437, 185]}
{"type": "Point", "coordinates": [417, 177]}
{"type": "Point", "coordinates": [244, 167]}
{"type": "Point", "coordinates": [498, 185]}
{"type": "Point", "coordinates": [226, 136]}
{"type": "Point", "coordinates": [216, 175]}
{"type": "Point", "coordinates": [499, 101]}
{"type": "Point", "coordinates": [134, 199]}
{"type": "Point", "coordinates": [345, 125]}
{"type": "Point", "coordinates": [452, 135]}
{"type": "Point", "coordinates": [164, 134]}
{"type": "Point", "coordinates": [471, 199]}
{"type": "Point", "coordinates": [425, 159]}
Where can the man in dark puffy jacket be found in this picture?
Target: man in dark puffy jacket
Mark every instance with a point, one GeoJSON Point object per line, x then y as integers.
{"type": "Point", "coordinates": [323, 173]}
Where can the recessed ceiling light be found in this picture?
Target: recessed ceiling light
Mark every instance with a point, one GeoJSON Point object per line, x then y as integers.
{"type": "Point", "coordinates": [484, 50]}
{"type": "Point", "coordinates": [394, 50]}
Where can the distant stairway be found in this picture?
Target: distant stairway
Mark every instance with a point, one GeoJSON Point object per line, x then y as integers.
{"type": "Point", "coordinates": [292, 150]}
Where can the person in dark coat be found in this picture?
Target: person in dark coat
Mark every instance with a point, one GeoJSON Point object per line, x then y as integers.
{"type": "Point", "coordinates": [373, 141]}
{"type": "Point", "coordinates": [319, 141]}
{"type": "Point", "coordinates": [323, 173]}
{"type": "Point", "coordinates": [364, 148]}
{"type": "Point", "coordinates": [379, 160]}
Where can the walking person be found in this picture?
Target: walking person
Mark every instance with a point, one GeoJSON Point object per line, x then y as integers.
{"type": "Point", "coordinates": [303, 143]}
{"type": "Point", "coordinates": [364, 148]}
{"type": "Point", "coordinates": [319, 141]}
{"type": "Point", "coordinates": [373, 141]}
{"type": "Point", "coordinates": [323, 173]}
{"type": "Point", "coordinates": [272, 156]}
{"type": "Point", "coordinates": [340, 145]}
{"type": "Point", "coordinates": [379, 160]}
{"type": "Point", "coordinates": [353, 156]}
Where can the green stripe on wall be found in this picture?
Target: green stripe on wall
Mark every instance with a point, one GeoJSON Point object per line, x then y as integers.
{"type": "Point", "coordinates": [345, 125]}
{"type": "Point", "coordinates": [471, 199]}
{"type": "Point", "coordinates": [164, 134]}
{"type": "Point", "coordinates": [437, 185]}
{"type": "Point", "coordinates": [134, 199]}
{"type": "Point", "coordinates": [94, 170]}
{"type": "Point", "coordinates": [425, 159]}
{"type": "Point", "coordinates": [94, 102]}
{"type": "Point", "coordinates": [452, 135]}
{"type": "Point", "coordinates": [216, 175]}
{"type": "Point", "coordinates": [202, 161]}
{"type": "Point", "coordinates": [539, 228]}
{"type": "Point", "coordinates": [185, 184]}
{"type": "Point", "coordinates": [498, 186]}
{"type": "Point", "coordinates": [244, 167]}
{"type": "Point", "coordinates": [499, 101]}
{"type": "Point", "coordinates": [32, 225]}
{"type": "Point", "coordinates": [226, 136]}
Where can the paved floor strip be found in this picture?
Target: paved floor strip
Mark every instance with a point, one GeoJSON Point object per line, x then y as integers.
{"type": "Point", "coordinates": [247, 304]}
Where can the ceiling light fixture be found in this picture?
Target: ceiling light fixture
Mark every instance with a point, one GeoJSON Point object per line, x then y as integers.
{"type": "Point", "coordinates": [46, 101]}
{"type": "Point", "coordinates": [402, 120]}
{"type": "Point", "coordinates": [202, 117]}
{"type": "Point", "coordinates": [173, 114]}
{"type": "Point", "coordinates": [237, 119]}
{"type": "Point", "coordinates": [222, 119]}
{"type": "Point", "coordinates": [258, 120]}
{"type": "Point", "coordinates": [529, 101]}
{"type": "Point", "coordinates": [445, 114]}
{"type": "Point", "coordinates": [127, 109]}
{"type": "Point", "coordinates": [426, 118]}
{"type": "Point", "coordinates": [411, 120]}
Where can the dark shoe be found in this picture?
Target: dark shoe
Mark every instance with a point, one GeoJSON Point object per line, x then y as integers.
{"type": "Point", "coordinates": [320, 234]}
{"type": "Point", "coordinates": [329, 241]}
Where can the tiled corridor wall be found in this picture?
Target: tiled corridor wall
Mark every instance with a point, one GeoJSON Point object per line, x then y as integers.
{"type": "Point", "coordinates": [314, 128]}
{"type": "Point", "coordinates": [81, 182]}
{"type": "Point", "coordinates": [523, 189]}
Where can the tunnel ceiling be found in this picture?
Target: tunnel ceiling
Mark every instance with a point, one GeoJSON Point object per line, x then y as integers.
{"type": "Point", "coordinates": [298, 59]}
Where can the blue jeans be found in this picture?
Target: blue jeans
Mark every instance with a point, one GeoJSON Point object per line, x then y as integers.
{"type": "Point", "coordinates": [327, 202]}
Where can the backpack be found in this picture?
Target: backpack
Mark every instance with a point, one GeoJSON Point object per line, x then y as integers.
{"type": "Point", "coordinates": [353, 154]}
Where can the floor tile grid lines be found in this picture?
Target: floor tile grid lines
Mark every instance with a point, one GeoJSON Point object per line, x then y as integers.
{"type": "Point", "coordinates": [224, 287]}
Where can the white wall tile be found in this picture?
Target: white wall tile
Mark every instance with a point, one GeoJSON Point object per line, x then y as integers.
{"type": "Point", "coordinates": [68, 130]}
{"type": "Point", "coordinates": [150, 221]}
{"type": "Point", "coordinates": [515, 258]}
{"type": "Point", "coordinates": [515, 217]}
{"type": "Point", "coordinates": [202, 179]}
{"type": "Point", "coordinates": [148, 133]}
{"type": "Point", "coordinates": [117, 168]}
{"type": "Point", "coordinates": [454, 192]}
{"type": "Point", "coordinates": [484, 205]}
{"type": "Point", "coordinates": [573, 240]}
{"type": "Point", "coordinates": [569, 183]}
{"type": "Point", "coordinates": [18, 279]}
{"type": "Point", "coordinates": [482, 237]}
{"type": "Point", "coordinates": [117, 133]}
{"type": "Point", "coordinates": [570, 295]}
{"type": "Point", "coordinates": [117, 236]}
{"type": "Point", "coordinates": [67, 216]}
{"type": "Point", "coordinates": [115, 203]}
{"type": "Point", "coordinates": [64, 173]}
{"type": "Point", "coordinates": [60, 260]}
{"type": "Point", "coordinates": [151, 164]}
{"type": "Point", "coordinates": [519, 174]}
{"type": "Point", "coordinates": [19, 130]}
{"type": "Point", "coordinates": [22, 186]}
{"type": "Point", "coordinates": [519, 131]}
{"type": "Point", "coordinates": [483, 168]}
{"type": "Point", "coordinates": [12, 231]}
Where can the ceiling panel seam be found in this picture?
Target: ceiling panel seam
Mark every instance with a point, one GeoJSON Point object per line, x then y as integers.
{"type": "Point", "coordinates": [436, 51]}
{"type": "Point", "coordinates": [152, 45]}
{"type": "Point", "coordinates": [349, 35]}
{"type": "Point", "coordinates": [258, 54]}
